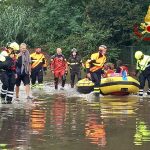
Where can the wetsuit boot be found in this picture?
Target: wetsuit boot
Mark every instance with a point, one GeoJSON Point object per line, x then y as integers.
{"type": "Point", "coordinates": [56, 83]}
{"type": "Point", "coordinates": [148, 92]}
{"type": "Point", "coordinates": [72, 85]}
{"type": "Point", "coordinates": [141, 92]}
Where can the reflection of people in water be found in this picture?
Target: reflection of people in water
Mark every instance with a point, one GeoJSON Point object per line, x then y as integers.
{"type": "Point", "coordinates": [95, 130]}
{"type": "Point", "coordinates": [5, 125]}
{"type": "Point", "coordinates": [15, 127]}
{"type": "Point", "coordinates": [38, 120]}
{"type": "Point", "coordinates": [59, 114]}
{"type": "Point", "coordinates": [142, 133]}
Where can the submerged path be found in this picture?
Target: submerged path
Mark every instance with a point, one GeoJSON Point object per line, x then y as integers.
{"type": "Point", "coordinates": [65, 119]}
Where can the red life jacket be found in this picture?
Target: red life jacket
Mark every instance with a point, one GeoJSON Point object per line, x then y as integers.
{"type": "Point", "coordinates": [109, 72]}
{"type": "Point", "coordinates": [13, 64]}
{"type": "Point", "coordinates": [124, 68]}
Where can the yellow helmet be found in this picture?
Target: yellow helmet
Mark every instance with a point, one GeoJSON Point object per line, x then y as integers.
{"type": "Point", "coordinates": [138, 55]}
{"type": "Point", "coordinates": [14, 46]}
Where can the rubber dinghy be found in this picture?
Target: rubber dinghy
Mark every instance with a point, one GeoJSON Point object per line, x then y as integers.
{"type": "Point", "coordinates": [110, 86]}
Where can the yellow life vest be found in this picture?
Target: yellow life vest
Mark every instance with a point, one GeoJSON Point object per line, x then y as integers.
{"type": "Point", "coordinates": [37, 59]}
{"type": "Point", "coordinates": [143, 63]}
{"type": "Point", "coordinates": [96, 62]}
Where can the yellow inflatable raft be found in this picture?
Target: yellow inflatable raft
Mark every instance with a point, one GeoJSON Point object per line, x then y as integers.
{"type": "Point", "coordinates": [111, 85]}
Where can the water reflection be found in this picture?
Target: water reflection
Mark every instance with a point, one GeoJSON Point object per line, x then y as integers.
{"type": "Point", "coordinates": [112, 106]}
{"type": "Point", "coordinates": [142, 132]}
{"type": "Point", "coordinates": [61, 122]}
{"type": "Point", "coordinates": [95, 129]}
{"type": "Point", "coordinates": [38, 120]}
{"type": "Point", "coordinates": [14, 131]}
{"type": "Point", "coordinates": [58, 114]}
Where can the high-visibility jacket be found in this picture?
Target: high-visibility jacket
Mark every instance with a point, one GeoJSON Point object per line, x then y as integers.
{"type": "Point", "coordinates": [96, 62]}
{"type": "Point", "coordinates": [143, 63]}
{"type": "Point", "coordinates": [38, 60]}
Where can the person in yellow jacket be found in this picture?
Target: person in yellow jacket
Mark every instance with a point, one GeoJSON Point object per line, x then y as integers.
{"type": "Point", "coordinates": [38, 67]}
{"type": "Point", "coordinates": [143, 68]}
{"type": "Point", "coordinates": [94, 67]}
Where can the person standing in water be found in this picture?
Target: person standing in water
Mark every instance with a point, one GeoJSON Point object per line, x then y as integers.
{"type": "Point", "coordinates": [143, 68]}
{"type": "Point", "coordinates": [9, 75]}
{"type": "Point", "coordinates": [23, 69]}
{"type": "Point", "coordinates": [94, 67]}
{"type": "Point", "coordinates": [59, 68]}
{"type": "Point", "coordinates": [38, 67]}
{"type": "Point", "coordinates": [75, 64]}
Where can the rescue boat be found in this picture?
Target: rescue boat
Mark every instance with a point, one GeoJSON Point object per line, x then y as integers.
{"type": "Point", "coordinates": [116, 85]}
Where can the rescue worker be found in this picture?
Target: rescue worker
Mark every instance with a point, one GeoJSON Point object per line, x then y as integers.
{"type": "Point", "coordinates": [38, 67]}
{"type": "Point", "coordinates": [9, 73]}
{"type": "Point", "coordinates": [143, 68]}
{"type": "Point", "coordinates": [23, 69]}
{"type": "Point", "coordinates": [75, 63]}
{"type": "Point", "coordinates": [3, 63]}
{"type": "Point", "coordinates": [59, 67]}
{"type": "Point", "coordinates": [94, 67]}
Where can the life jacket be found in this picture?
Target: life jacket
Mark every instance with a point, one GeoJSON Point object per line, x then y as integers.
{"type": "Point", "coordinates": [11, 62]}
{"type": "Point", "coordinates": [58, 63]}
{"type": "Point", "coordinates": [96, 62]}
{"type": "Point", "coordinates": [144, 63]}
{"type": "Point", "coordinates": [38, 60]}
{"type": "Point", "coordinates": [109, 72]}
{"type": "Point", "coordinates": [13, 67]}
{"type": "Point", "coordinates": [124, 68]}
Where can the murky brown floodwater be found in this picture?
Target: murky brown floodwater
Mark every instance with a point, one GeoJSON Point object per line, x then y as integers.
{"type": "Point", "coordinates": [67, 120]}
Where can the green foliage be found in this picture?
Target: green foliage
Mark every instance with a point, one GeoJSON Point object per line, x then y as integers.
{"type": "Point", "coordinates": [12, 23]}
{"type": "Point", "coordinates": [83, 24]}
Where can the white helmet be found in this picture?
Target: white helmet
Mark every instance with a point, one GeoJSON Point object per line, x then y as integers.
{"type": "Point", "coordinates": [2, 58]}
{"type": "Point", "coordinates": [14, 46]}
{"type": "Point", "coordinates": [4, 53]}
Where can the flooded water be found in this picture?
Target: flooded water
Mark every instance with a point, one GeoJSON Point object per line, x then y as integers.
{"type": "Point", "coordinates": [67, 120]}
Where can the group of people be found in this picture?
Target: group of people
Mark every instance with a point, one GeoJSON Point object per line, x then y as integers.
{"type": "Point", "coordinates": [96, 66]}
{"type": "Point", "coordinates": [17, 64]}
{"type": "Point", "coordinates": [60, 66]}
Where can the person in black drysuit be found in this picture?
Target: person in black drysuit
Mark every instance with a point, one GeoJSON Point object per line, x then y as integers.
{"type": "Point", "coordinates": [75, 63]}
{"type": "Point", "coordinates": [8, 76]}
